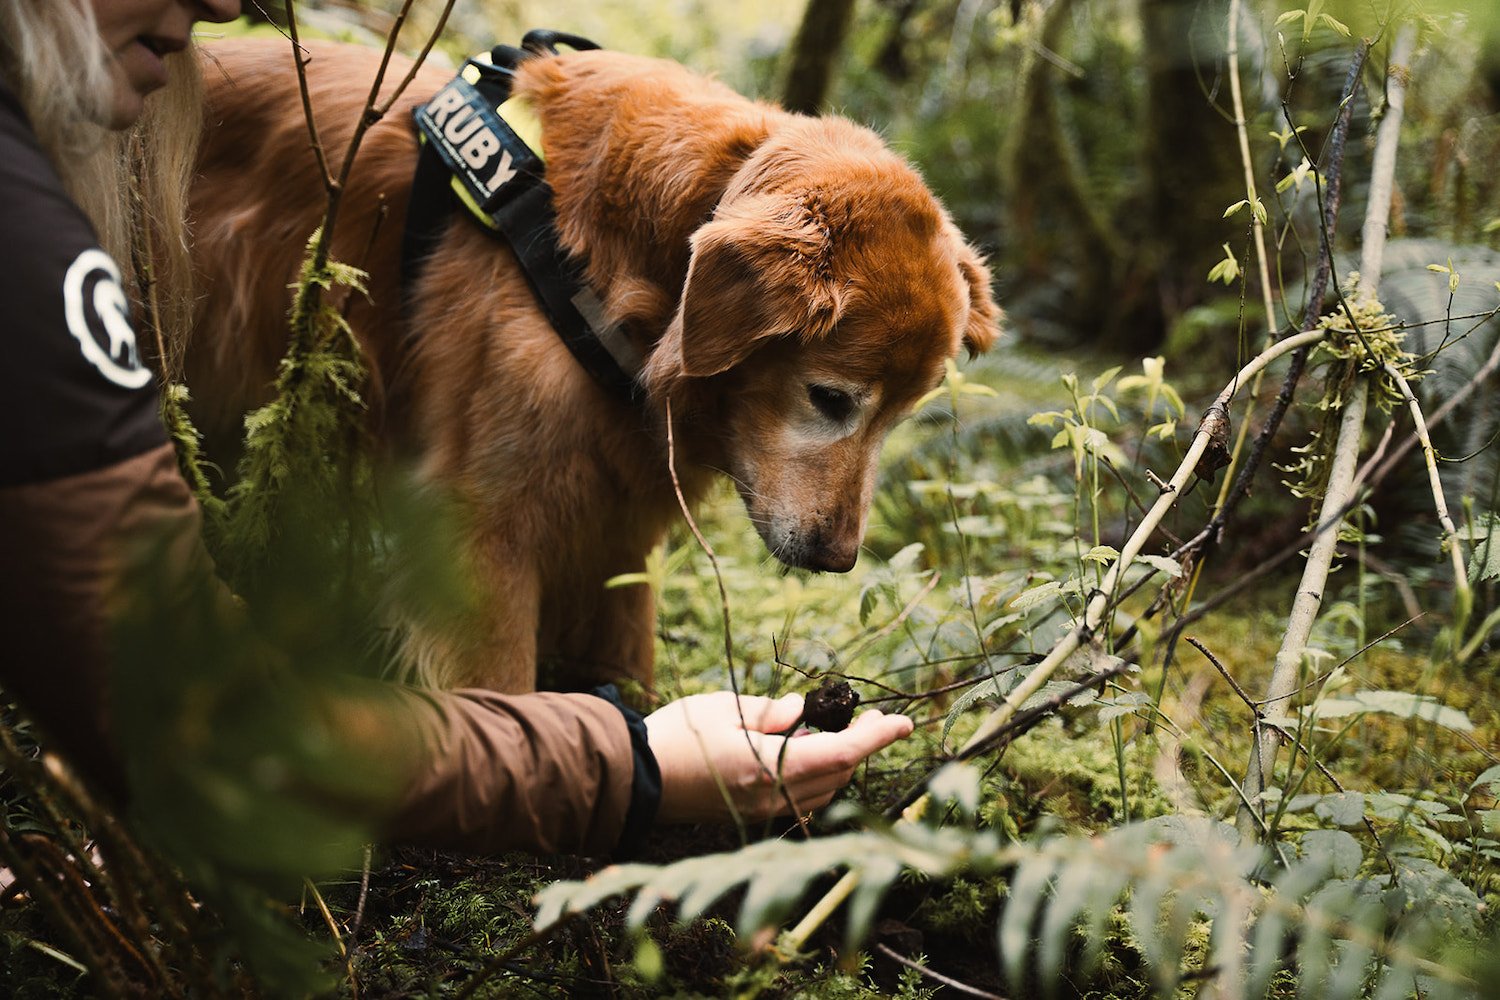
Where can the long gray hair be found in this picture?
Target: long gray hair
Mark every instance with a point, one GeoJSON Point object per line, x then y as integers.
{"type": "Point", "coordinates": [133, 185]}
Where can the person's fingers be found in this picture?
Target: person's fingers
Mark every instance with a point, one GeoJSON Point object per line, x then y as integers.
{"type": "Point", "coordinates": [802, 801]}
{"type": "Point", "coordinates": [771, 715]}
{"type": "Point", "coordinates": [831, 753]}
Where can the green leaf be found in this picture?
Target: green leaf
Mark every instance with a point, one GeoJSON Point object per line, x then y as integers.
{"type": "Point", "coordinates": [1343, 808]}
{"type": "Point", "coordinates": [957, 783]}
{"type": "Point", "coordinates": [990, 689]}
{"type": "Point", "coordinates": [906, 559]}
{"type": "Point", "coordinates": [1105, 377]}
{"type": "Point", "coordinates": [1027, 890]}
{"type": "Point", "coordinates": [869, 600]}
{"type": "Point", "coordinates": [1490, 778]}
{"type": "Point", "coordinates": [648, 959]}
{"type": "Point", "coordinates": [1335, 24]}
{"type": "Point", "coordinates": [1400, 703]}
{"type": "Point", "coordinates": [874, 879]}
{"type": "Point", "coordinates": [1036, 596]}
{"type": "Point", "coordinates": [1171, 567]}
{"type": "Point", "coordinates": [1126, 704]}
{"type": "Point", "coordinates": [1337, 848]}
{"type": "Point", "coordinates": [1484, 558]}
{"type": "Point", "coordinates": [1226, 270]}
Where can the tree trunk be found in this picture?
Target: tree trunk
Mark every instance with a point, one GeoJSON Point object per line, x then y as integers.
{"type": "Point", "coordinates": [1061, 235]}
{"type": "Point", "coordinates": [1192, 163]}
{"type": "Point", "coordinates": [820, 39]}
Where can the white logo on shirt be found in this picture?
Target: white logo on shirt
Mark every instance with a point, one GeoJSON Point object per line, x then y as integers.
{"type": "Point", "coordinates": [98, 318]}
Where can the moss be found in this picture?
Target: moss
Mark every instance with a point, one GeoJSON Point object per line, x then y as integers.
{"type": "Point", "coordinates": [964, 908]}
{"type": "Point", "coordinates": [1076, 778]}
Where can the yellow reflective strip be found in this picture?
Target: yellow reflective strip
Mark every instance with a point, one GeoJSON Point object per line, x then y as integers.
{"type": "Point", "coordinates": [522, 119]}
{"type": "Point", "coordinates": [470, 73]}
{"type": "Point", "coordinates": [469, 203]}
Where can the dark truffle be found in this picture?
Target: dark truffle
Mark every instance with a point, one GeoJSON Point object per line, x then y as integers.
{"type": "Point", "coordinates": [830, 707]}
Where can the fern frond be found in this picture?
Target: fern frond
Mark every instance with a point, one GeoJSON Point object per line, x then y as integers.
{"type": "Point", "coordinates": [1174, 874]}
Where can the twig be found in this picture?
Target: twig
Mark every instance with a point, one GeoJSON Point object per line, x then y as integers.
{"type": "Point", "coordinates": [1338, 498]}
{"type": "Point", "coordinates": [1017, 726]}
{"type": "Point", "coordinates": [1101, 602]}
{"type": "Point", "coordinates": [895, 623]}
{"type": "Point", "coordinates": [1383, 169]}
{"type": "Point", "coordinates": [1223, 672]}
{"type": "Point", "coordinates": [734, 684]}
{"type": "Point", "coordinates": [1457, 398]}
{"type": "Point", "coordinates": [1258, 705]}
{"type": "Point", "coordinates": [1340, 492]}
{"type": "Point", "coordinates": [1200, 544]}
{"type": "Point", "coordinates": [300, 58]}
{"type": "Point", "coordinates": [364, 893]}
{"type": "Point", "coordinates": [1257, 227]}
{"type": "Point", "coordinates": [338, 939]}
{"type": "Point", "coordinates": [372, 113]}
{"type": "Point", "coordinates": [500, 961]}
{"type": "Point", "coordinates": [936, 976]}
{"type": "Point", "coordinates": [1450, 531]}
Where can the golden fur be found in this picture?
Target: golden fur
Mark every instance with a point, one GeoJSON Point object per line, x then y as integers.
{"type": "Point", "coordinates": [761, 262]}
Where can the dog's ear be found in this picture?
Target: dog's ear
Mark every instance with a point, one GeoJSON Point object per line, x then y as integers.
{"type": "Point", "coordinates": [759, 270]}
{"type": "Point", "coordinates": [982, 327]}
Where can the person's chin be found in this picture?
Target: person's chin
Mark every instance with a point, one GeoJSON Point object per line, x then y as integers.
{"type": "Point", "coordinates": [126, 109]}
{"type": "Point", "coordinates": [136, 74]}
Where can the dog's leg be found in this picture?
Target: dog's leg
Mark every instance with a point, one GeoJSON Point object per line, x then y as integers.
{"type": "Point", "coordinates": [617, 646]}
{"type": "Point", "coordinates": [493, 643]}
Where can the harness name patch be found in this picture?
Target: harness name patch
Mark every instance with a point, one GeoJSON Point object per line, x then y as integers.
{"type": "Point", "coordinates": [470, 137]}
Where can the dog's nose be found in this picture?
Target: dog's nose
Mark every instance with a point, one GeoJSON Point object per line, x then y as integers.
{"type": "Point", "coordinates": [833, 556]}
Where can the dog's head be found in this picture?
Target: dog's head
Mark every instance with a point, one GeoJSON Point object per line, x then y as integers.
{"type": "Point", "coordinates": [821, 301]}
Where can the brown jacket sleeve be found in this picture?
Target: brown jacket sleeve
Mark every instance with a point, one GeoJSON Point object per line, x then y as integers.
{"type": "Point", "coordinates": [480, 771]}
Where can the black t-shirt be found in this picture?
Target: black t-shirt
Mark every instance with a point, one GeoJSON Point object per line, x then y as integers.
{"type": "Point", "coordinates": [74, 394]}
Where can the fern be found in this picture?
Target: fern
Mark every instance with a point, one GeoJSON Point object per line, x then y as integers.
{"type": "Point", "coordinates": [1349, 936]}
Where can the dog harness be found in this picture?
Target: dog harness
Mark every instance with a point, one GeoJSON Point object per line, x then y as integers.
{"type": "Point", "coordinates": [481, 150]}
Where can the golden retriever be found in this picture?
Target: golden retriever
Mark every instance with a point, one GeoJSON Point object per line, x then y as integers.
{"type": "Point", "coordinates": [790, 284]}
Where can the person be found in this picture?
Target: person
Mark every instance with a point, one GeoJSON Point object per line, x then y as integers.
{"type": "Point", "coordinates": [86, 467]}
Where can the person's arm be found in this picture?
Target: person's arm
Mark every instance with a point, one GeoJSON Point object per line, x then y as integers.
{"type": "Point", "coordinates": [474, 770]}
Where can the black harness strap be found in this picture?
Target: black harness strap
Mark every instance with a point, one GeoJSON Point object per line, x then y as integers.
{"type": "Point", "coordinates": [472, 157]}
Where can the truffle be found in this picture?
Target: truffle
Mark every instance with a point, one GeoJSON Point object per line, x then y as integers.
{"type": "Point", "coordinates": [830, 707]}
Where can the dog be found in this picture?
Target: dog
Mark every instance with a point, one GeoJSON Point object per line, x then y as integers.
{"type": "Point", "coordinates": [790, 284]}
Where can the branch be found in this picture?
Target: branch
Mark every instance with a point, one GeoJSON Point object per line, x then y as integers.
{"type": "Point", "coordinates": [1463, 595]}
{"type": "Point", "coordinates": [1098, 606]}
{"type": "Point", "coordinates": [1383, 170]}
{"type": "Point", "coordinates": [935, 976]}
{"type": "Point", "coordinates": [1257, 227]}
{"type": "Point", "coordinates": [1340, 493]}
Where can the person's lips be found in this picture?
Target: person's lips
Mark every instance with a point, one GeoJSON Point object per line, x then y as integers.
{"type": "Point", "coordinates": [151, 50]}
{"type": "Point", "coordinates": [160, 45]}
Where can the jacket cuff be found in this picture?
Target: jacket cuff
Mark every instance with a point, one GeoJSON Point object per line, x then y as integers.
{"type": "Point", "coordinates": [645, 785]}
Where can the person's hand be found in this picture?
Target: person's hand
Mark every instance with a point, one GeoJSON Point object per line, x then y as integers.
{"type": "Point", "coordinates": [702, 746]}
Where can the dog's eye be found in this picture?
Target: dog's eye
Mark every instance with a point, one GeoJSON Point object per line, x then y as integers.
{"type": "Point", "coordinates": [832, 403]}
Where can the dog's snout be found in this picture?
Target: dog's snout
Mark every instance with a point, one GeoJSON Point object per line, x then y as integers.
{"type": "Point", "coordinates": [839, 559]}
{"type": "Point", "coordinates": [830, 550]}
